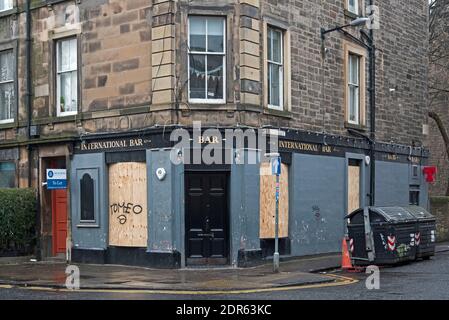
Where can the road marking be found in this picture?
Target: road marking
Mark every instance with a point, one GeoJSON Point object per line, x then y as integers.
{"type": "Point", "coordinates": [340, 281]}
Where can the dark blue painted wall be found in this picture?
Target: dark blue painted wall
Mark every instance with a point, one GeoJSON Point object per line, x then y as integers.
{"type": "Point", "coordinates": [392, 183]}
{"type": "Point", "coordinates": [317, 204]}
{"type": "Point", "coordinates": [89, 235]}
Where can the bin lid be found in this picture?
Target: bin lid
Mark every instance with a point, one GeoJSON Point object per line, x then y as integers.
{"type": "Point", "coordinates": [420, 213]}
{"type": "Point", "coordinates": [389, 214]}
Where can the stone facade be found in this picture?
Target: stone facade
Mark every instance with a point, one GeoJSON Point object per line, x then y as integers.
{"type": "Point", "coordinates": [132, 66]}
{"type": "Point", "coordinates": [132, 75]}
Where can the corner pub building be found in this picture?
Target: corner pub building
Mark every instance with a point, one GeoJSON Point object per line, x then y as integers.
{"type": "Point", "coordinates": [97, 87]}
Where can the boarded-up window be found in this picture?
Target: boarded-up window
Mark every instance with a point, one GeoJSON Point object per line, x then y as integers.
{"type": "Point", "coordinates": [268, 202]}
{"type": "Point", "coordinates": [87, 198]}
{"type": "Point", "coordinates": [128, 204]}
{"type": "Point", "coordinates": [353, 186]}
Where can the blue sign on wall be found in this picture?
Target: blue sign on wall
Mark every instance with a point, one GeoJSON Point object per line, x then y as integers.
{"type": "Point", "coordinates": [56, 179]}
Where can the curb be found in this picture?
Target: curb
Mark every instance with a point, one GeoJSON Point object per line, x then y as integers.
{"type": "Point", "coordinates": [25, 285]}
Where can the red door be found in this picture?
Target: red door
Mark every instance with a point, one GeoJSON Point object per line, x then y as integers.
{"type": "Point", "coordinates": [59, 212]}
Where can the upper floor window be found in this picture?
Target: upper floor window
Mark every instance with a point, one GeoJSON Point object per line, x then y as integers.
{"type": "Point", "coordinates": [355, 84]}
{"type": "Point", "coordinates": [354, 88]}
{"type": "Point", "coordinates": [6, 86]}
{"type": "Point", "coordinates": [275, 68]}
{"type": "Point", "coordinates": [67, 76]}
{"type": "Point", "coordinates": [353, 6]}
{"type": "Point", "coordinates": [6, 5]}
{"type": "Point", "coordinates": [207, 59]}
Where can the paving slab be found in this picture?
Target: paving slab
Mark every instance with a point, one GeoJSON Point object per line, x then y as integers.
{"type": "Point", "coordinates": [52, 274]}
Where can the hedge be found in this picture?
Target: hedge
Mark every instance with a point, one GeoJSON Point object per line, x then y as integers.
{"type": "Point", "coordinates": [17, 221]}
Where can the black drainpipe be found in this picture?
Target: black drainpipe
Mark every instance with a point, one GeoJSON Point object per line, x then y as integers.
{"type": "Point", "coordinates": [372, 70]}
{"type": "Point", "coordinates": [29, 97]}
{"type": "Point", "coordinates": [29, 105]}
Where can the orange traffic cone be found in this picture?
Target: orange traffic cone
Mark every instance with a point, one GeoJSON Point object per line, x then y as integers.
{"type": "Point", "coordinates": [346, 263]}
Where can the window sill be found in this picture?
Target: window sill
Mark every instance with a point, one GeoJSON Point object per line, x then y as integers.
{"type": "Point", "coordinates": [88, 226]}
{"type": "Point", "coordinates": [357, 127]}
{"type": "Point", "coordinates": [278, 113]}
{"type": "Point", "coordinates": [8, 12]}
{"type": "Point", "coordinates": [66, 115]}
{"type": "Point", "coordinates": [205, 102]}
{"type": "Point", "coordinates": [6, 121]}
{"type": "Point", "coordinates": [350, 14]}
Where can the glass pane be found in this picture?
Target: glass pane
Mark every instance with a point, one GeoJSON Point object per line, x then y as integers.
{"type": "Point", "coordinates": [354, 69]}
{"type": "Point", "coordinates": [274, 74]}
{"type": "Point", "coordinates": [197, 77]}
{"type": "Point", "coordinates": [73, 54]}
{"type": "Point", "coordinates": [73, 93]}
{"type": "Point", "coordinates": [5, 4]}
{"type": "Point", "coordinates": [277, 46]}
{"type": "Point", "coordinates": [197, 27]}
{"type": "Point", "coordinates": [64, 56]}
{"type": "Point", "coordinates": [269, 42]}
{"type": "Point", "coordinates": [7, 175]}
{"type": "Point", "coordinates": [6, 65]}
{"type": "Point", "coordinates": [215, 77]}
{"type": "Point", "coordinates": [6, 101]}
{"type": "Point", "coordinates": [67, 55]}
{"type": "Point", "coordinates": [352, 6]}
{"type": "Point", "coordinates": [215, 38]}
{"type": "Point", "coordinates": [353, 104]}
{"type": "Point", "coordinates": [65, 99]}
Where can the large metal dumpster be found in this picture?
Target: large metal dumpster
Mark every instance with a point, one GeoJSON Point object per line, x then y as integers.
{"type": "Point", "coordinates": [425, 236]}
{"type": "Point", "coordinates": [382, 235]}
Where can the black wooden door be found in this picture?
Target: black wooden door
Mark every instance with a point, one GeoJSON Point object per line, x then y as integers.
{"type": "Point", "coordinates": [206, 218]}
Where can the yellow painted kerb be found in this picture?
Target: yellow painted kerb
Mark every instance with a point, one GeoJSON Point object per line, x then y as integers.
{"type": "Point", "coordinates": [340, 281]}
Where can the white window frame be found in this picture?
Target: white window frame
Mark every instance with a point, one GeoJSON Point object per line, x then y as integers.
{"type": "Point", "coordinates": [58, 79]}
{"type": "Point", "coordinates": [356, 8]}
{"type": "Point", "coordinates": [281, 72]}
{"type": "Point", "coordinates": [206, 53]}
{"type": "Point", "coordinates": [354, 85]}
{"type": "Point", "coordinates": [11, 119]}
{"type": "Point", "coordinates": [10, 2]}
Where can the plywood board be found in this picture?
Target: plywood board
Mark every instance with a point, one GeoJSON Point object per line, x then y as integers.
{"type": "Point", "coordinates": [268, 202]}
{"type": "Point", "coordinates": [128, 218]}
{"type": "Point", "coordinates": [353, 188]}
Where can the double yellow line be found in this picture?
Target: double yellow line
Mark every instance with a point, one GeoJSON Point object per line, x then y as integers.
{"type": "Point", "coordinates": [339, 281]}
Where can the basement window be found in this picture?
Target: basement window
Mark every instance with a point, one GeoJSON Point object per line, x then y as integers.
{"type": "Point", "coordinates": [6, 5]}
{"type": "Point", "coordinates": [7, 175]}
{"type": "Point", "coordinates": [206, 61]}
{"type": "Point", "coordinates": [67, 76]}
{"type": "Point", "coordinates": [7, 96]}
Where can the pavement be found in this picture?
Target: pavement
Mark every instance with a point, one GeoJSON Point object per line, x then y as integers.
{"type": "Point", "coordinates": [294, 273]}
{"type": "Point", "coordinates": [304, 272]}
